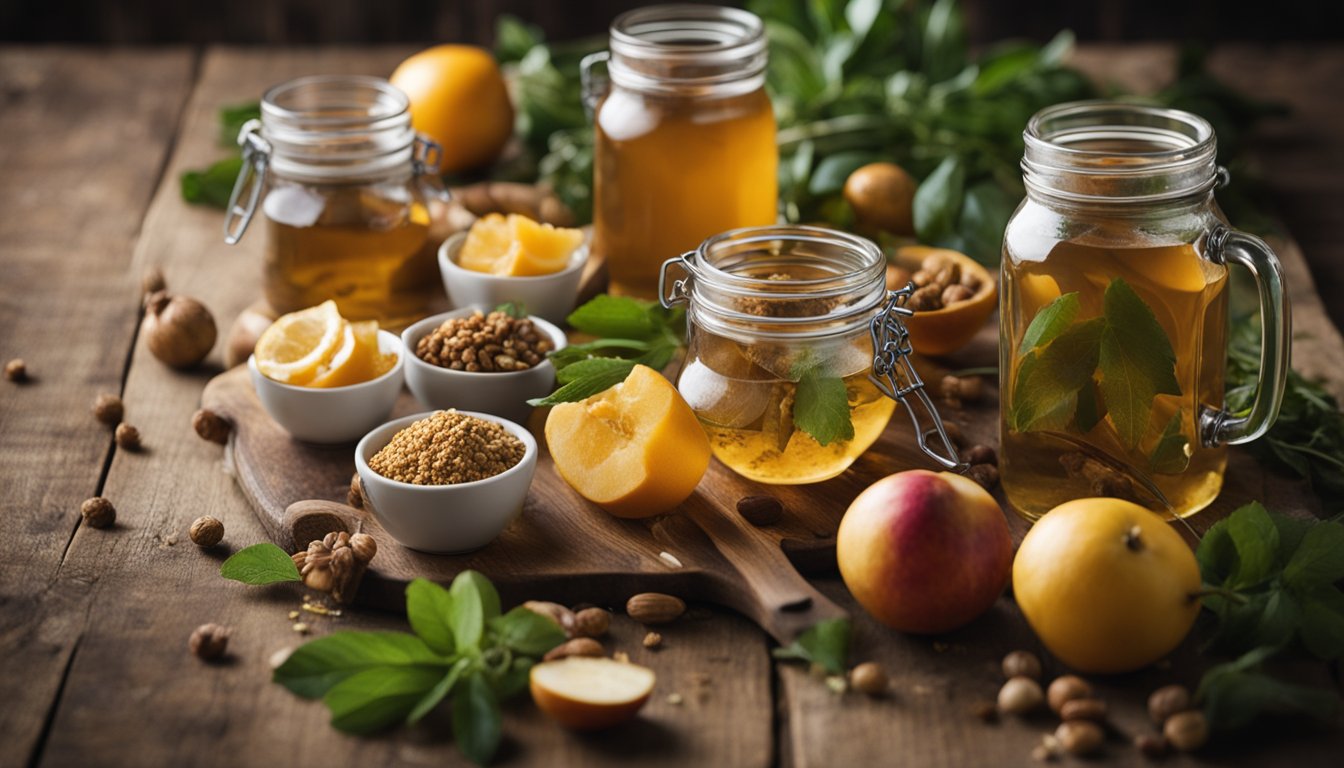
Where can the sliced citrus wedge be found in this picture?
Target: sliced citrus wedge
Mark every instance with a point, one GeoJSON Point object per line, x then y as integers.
{"type": "Point", "coordinates": [297, 345]}
{"type": "Point", "coordinates": [487, 245]}
{"type": "Point", "coordinates": [590, 693]}
{"type": "Point", "coordinates": [539, 249]}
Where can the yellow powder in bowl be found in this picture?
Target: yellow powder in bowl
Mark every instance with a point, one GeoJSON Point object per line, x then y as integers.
{"type": "Point", "coordinates": [448, 448]}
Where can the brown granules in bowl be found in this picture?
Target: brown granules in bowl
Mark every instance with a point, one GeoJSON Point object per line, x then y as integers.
{"type": "Point", "coordinates": [497, 342]}
{"type": "Point", "coordinates": [448, 448]}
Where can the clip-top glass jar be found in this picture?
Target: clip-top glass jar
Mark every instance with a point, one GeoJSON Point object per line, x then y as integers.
{"type": "Point", "coordinates": [339, 175]}
{"type": "Point", "coordinates": [685, 143]}
{"type": "Point", "coordinates": [1114, 314]}
{"type": "Point", "coordinates": [784, 322]}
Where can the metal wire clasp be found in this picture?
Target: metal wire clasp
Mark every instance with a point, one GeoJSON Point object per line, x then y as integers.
{"type": "Point", "coordinates": [251, 177]}
{"type": "Point", "coordinates": [896, 377]}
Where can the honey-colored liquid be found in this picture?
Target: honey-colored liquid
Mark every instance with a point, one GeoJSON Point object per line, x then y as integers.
{"type": "Point", "coordinates": [671, 172]}
{"type": "Point", "coordinates": [1187, 294]}
{"type": "Point", "coordinates": [368, 249]}
{"type": "Point", "coordinates": [746, 409]}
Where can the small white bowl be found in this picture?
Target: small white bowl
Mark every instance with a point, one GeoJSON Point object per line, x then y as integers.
{"type": "Point", "coordinates": [446, 519]}
{"type": "Point", "coordinates": [549, 296]}
{"type": "Point", "coordinates": [500, 393]}
{"type": "Point", "coordinates": [336, 414]}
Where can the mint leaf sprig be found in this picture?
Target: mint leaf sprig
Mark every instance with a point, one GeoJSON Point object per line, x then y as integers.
{"type": "Point", "coordinates": [1271, 582]}
{"type": "Point", "coordinates": [263, 563]}
{"type": "Point", "coordinates": [825, 644]}
{"type": "Point", "coordinates": [463, 650]}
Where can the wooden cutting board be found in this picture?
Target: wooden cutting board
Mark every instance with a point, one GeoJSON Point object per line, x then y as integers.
{"type": "Point", "coordinates": [562, 547]}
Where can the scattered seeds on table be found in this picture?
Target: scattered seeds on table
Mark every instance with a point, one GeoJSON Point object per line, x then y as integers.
{"type": "Point", "coordinates": [1084, 709]}
{"type": "Point", "coordinates": [206, 531]}
{"type": "Point", "coordinates": [579, 646]}
{"type": "Point", "coordinates": [210, 426]}
{"type": "Point", "coordinates": [1186, 731]}
{"type": "Point", "coordinates": [1167, 701]}
{"type": "Point", "coordinates": [16, 371]}
{"type": "Point", "coordinates": [209, 641]}
{"type": "Point", "coordinates": [98, 512]}
{"type": "Point", "coordinates": [653, 640]}
{"type": "Point", "coordinates": [654, 608]}
{"type": "Point", "coordinates": [1020, 696]}
{"type": "Point", "coordinates": [108, 409]}
{"type": "Point", "coordinates": [1022, 664]}
{"type": "Point", "coordinates": [1080, 737]}
{"type": "Point", "coordinates": [591, 622]}
{"type": "Point", "coordinates": [152, 281]}
{"type": "Point", "coordinates": [1067, 688]}
{"type": "Point", "coordinates": [127, 436]}
{"type": "Point", "coordinates": [300, 627]}
{"type": "Point", "coordinates": [869, 678]}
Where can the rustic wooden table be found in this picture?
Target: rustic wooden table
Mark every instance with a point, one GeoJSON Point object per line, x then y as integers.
{"type": "Point", "coordinates": [93, 623]}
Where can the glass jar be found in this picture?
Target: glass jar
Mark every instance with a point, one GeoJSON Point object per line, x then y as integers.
{"type": "Point", "coordinates": [795, 351]}
{"type": "Point", "coordinates": [339, 175]}
{"type": "Point", "coordinates": [1114, 314]}
{"type": "Point", "coordinates": [685, 143]}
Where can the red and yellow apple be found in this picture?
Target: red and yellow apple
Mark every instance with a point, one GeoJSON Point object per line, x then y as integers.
{"type": "Point", "coordinates": [924, 552]}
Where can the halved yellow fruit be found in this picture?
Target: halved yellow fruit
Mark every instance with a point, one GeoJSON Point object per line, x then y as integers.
{"type": "Point", "coordinates": [358, 359]}
{"type": "Point", "coordinates": [589, 693]}
{"type": "Point", "coordinates": [636, 449]}
{"type": "Point", "coordinates": [517, 246]}
{"type": "Point", "coordinates": [297, 345]}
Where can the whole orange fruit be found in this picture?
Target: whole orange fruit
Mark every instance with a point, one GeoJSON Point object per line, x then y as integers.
{"type": "Point", "coordinates": [458, 99]}
{"type": "Point", "coordinates": [1106, 584]}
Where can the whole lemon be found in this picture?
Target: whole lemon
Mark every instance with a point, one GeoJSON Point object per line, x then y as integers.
{"type": "Point", "coordinates": [1106, 584]}
{"type": "Point", "coordinates": [458, 99]}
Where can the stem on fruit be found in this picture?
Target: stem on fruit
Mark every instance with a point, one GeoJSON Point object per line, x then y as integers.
{"type": "Point", "coordinates": [1226, 594]}
{"type": "Point", "coordinates": [1132, 539]}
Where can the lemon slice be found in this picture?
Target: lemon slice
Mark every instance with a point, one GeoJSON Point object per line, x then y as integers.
{"type": "Point", "coordinates": [297, 345]}
{"type": "Point", "coordinates": [357, 360]}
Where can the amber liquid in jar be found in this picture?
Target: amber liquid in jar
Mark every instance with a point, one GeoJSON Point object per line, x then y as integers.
{"type": "Point", "coordinates": [1073, 454]}
{"type": "Point", "coordinates": [370, 252]}
{"type": "Point", "coordinates": [672, 171]}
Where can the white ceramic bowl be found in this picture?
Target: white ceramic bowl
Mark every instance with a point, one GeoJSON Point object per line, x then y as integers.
{"type": "Point", "coordinates": [501, 394]}
{"type": "Point", "coordinates": [444, 519]}
{"type": "Point", "coordinates": [337, 414]}
{"type": "Point", "coordinates": [549, 296]}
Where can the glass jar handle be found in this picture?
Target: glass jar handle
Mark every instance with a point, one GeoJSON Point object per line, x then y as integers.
{"type": "Point", "coordinates": [1219, 426]}
{"type": "Point", "coordinates": [680, 292]}
{"type": "Point", "coordinates": [594, 79]}
{"type": "Point", "coordinates": [251, 179]}
{"type": "Point", "coordinates": [895, 375]}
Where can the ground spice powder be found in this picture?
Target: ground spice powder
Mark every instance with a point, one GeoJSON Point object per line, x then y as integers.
{"type": "Point", "coordinates": [448, 448]}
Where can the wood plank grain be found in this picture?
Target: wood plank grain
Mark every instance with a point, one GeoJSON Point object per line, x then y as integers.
{"type": "Point", "coordinates": [83, 138]}
{"type": "Point", "coordinates": [152, 587]}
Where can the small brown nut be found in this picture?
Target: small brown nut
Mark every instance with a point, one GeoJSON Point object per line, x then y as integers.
{"type": "Point", "coordinates": [956, 293]}
{"type": "Point", "coordinates": [98, 512]}
{"type": "Point", "coordinates": [152, 281]}
{"type": "Point", "coordinates": [16, 371]}
{"type": "Point", "coordinates": [949, 275]}
{"type": "Point", "coordinates": [1152, 746]}
{"type": "Point", "coordinates": [654, 608]}
{"type": "Point", "coordinates": [980, 454]}
{"type": "Point", "coordinates": [869, 678]}
{"type": "Point", "coordinates": [1186, 731]}
{"type": "Point", "coordinates": [209, 642]}
{"type": "Point", "coordinates": [1048, 750]}
{"type": "Point", "coordinates": [926, 299]}
{"type": "Point", "coordinates": [970, 280]}
{"type": "Point", "coordinates": [1167, 701]}
{"type": "Point", "coordinates": [364, 547]}
{"type": "Point", "coordinates": [108, 409]}
{"type": "Point", "coordinates": [922, 278]}
{"type": "Point", "coordinates": [653, 640]}
{"type": "Point", "coordinates": [934, 263]}
{"type": "Point", "coordinates": [1080, 737]}
{"type": "Point", "coordinates": [1021, 695]}
{"type": "Point", "coordinates": [1066, 688]}
{"type": "Point", "coordinates": [1022, 664]}
{"type": "Point", "coordinates": [591, 622]}
{"type": "Point", "coordinates": [127, 436]}
{"type": "Point", "coordinates": [760, 510]}
{"type": "Point", "coordinates": [987, 475]}
{"type": "Point", "coordinates": [206, 531]}
{"type": "Point", "coordinates": [1084, 709]}
{"type": "Point", "coordinates": [211, 426]}
{"type": "Point", "coordinates": [562, 616]}
{"type": "Point", "coordinates": [579, 646]}
{"type": "Point", "coordinates": [355, 496]}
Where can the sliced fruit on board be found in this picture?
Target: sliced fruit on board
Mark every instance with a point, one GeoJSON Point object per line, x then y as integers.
{"type": "Point", "coordinates": [590, 693]}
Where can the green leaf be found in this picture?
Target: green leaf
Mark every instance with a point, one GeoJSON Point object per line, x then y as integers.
{"type": "Point", "coordinates": [474, 602]}
{"type": "Point", "coordinates": [938, 200]}
{"type": "Point", "coordinates": [441, 689]}
{"type": "Point", "coordinates": [1256, 541]}
{"type": "Point", "coordinates": [1279, 620]}
{"type": "Point", "coordinates": [1234, 694]}
{"type": "Point", "coordinates": [1137, 362]}
{"type": "Point", "coordinates": [597, 348]}
{"type": "Point", "coordinates": [1049, 322]}
{"type": "Point", "coordinates": [825, 643]}
{"type": "Point", "coordinates": [512, 309]}
{"type": "Point", "coordinates": [526, 631]}
{"type": "Point", "coordinates": [1319, 559]}
{"type": "Point", "coordinates": [428, 607]}
{"type": "Point", "coordinates": [1171, 454]}
{"type": "Point", "coordinates": [1291, 532]}
{"type": "Point", "coordinates": [1323, 623]}
{"type": "Point", "coordinates": [476, 719]}
{"type": "Point", "coordinates": [376, 698]}
{"type": "Point", "coordinates": [618, 316]}
{"type": "Point", "coordinates": [1058, 372]}
{"type": "Point", "coordinates": [984, 216]}
{"type": "Point", "coordinates": [585, 387]}
{"type": "Point", "coordinates": [313, 668]}
{"type": "Point", "coordinates": [834, 170]}
{"type": "Point", "coordinates": [821, 407]}
{"type": "Point", "coordinates": [594, 366]}
{"type": "Point", "coordinates": [1217, 555]}
{"type": "Point", "coordinates": [944, 45]}
{"type": "Point", "coordinates": [262, 563]}
{"type": "Point", "coordinates": [512, 681]}
{"type": "Point", "coordinates": [1090, 410]}
{"type": "Point", "coordinates": [214, 185]}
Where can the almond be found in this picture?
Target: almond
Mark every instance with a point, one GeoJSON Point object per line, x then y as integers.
{"type": "Point", "coordinates": [654, 608]}
{"type": "Point", "coordinates": [590, 622]}
{"type": "Point", "coordinates": [556, 612]}
{"type": "Point", "coordinates": [579, 646]}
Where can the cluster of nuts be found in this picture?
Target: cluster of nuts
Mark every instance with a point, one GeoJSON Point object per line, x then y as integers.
{"type": "Point", "coordinates": [983, 461]}
{"type": "Point", "coordinates": [108, 409]}
{"type": "Point", "coordinates": [583, 626]}
{"type": "Point", "coordinates": [939, 282]}
{"type": "Point", "coordinates": [1184, 728]}
{"type": "Point", "coordinates": [496, 342]}
{"type": "Point", "coordinates": [336, 563]}
{"type": "Point", "coordinates": [1101, 479]}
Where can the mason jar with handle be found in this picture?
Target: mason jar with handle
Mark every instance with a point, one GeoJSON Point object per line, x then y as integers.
{"type": "Point", "coordinates": [1114, 314]}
